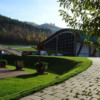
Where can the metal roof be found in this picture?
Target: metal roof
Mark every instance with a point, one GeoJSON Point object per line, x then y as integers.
{"type": "Point", "coordinates": [82, 37]}
{"type": "Point", "coordinates": [14, 52]}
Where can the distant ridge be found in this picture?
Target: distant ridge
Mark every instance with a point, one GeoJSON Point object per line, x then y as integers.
{"type": "Point", "coordinates": [50, 26]}
{"type": "Point", "coordinates": [32, 23]}
{"type": "Point", "coordinates": [13, 31]}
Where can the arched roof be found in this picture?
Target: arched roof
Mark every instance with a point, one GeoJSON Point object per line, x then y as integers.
{"type": "Point", "coordinates": [82, 37]}
{"type": "Point", "coordinates": [40, 46]}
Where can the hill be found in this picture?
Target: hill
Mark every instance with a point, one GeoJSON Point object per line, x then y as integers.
{"type": "Point", "coordinates": [32, 23]}
{"type": "Point", "coordinates": [16, 32]}
{"type": "Point", "coordinates": [50, 26]}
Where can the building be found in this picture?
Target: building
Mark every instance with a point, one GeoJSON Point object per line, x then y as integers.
{"type": "Point", "coordinates": [66, 42]}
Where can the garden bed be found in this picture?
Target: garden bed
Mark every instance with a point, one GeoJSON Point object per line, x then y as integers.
{"type": "Point", "coordinates": [59, 69]}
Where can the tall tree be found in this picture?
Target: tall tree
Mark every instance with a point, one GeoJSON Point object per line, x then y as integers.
{"type": "Point", "coordinates": [83, 15]}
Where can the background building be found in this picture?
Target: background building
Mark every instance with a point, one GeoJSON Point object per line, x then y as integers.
{"type": "Point", "coordinates": [67, 43]}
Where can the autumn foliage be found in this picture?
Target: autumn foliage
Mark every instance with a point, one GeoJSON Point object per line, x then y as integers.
{"type": "Point", "coordinates": [17, 32]}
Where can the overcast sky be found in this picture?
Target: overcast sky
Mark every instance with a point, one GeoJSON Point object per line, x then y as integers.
{"type": "Point", "coordinates": [38, 11]}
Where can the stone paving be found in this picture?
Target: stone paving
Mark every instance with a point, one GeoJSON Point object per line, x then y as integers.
{"type": "Point", "coordinates": [84, 86]}
{"type": "Point", "coordinates": [4, 73]}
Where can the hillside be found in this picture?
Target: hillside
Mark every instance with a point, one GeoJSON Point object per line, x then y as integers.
{"type": "Point", "coordinates": [50, 26]}
{"type": "Point", "coordinates": [17, 32]}
{"type": "Point", "coordinates": [32, 23]}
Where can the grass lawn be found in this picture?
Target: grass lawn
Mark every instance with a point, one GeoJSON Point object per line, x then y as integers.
{"type": "Point", "coordinates": [26, 49]}
{"type": "Point", "coordinates": [10, 45]}
{"type": "Point", "coordinates": [61, 67]}
{"type": "Point", "coordinates": [22, 49]}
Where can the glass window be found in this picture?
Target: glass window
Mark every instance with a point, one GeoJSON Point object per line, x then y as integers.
{"type": "Point", "coordinates": [65, 44]}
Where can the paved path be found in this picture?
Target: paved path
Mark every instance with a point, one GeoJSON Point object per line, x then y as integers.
{"type": "Point", "coordinates": [4, 73]}
{"type": "Point", "coordinates": [84, 86]}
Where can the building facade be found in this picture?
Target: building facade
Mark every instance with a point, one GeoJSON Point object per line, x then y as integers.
{"type": "Point", "coordinates": [66, 42]}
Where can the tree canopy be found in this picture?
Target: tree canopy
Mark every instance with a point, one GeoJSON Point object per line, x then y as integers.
{"type": "Point", "coordinates": [83, 15]}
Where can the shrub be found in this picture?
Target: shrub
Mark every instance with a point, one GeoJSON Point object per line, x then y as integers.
{"type": "Point", "coordinates": [42, 65]}
{"type": "Point", "coordinates": [19, 63]}
{"type": "Point", "coordinates": [4, 62]}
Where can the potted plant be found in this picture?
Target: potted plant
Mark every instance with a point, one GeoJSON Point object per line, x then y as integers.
{"type": "Point", "coordinates": [3, 63]}
{"type": "Point", "coordinates": [19, 65]}
{"type": "Point", "coordinates": [41, 67]}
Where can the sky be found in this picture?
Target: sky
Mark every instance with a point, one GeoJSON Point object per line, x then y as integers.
{"type": "Point", "coordinates": [37, 11]}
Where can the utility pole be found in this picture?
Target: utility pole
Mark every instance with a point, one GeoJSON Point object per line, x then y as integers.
{"type": "Point", "coordinates": [39, 60]}
{"type": "Point", "coordinates": [0, 57]}
{"type": "Point", "coordinates": [39, 56]}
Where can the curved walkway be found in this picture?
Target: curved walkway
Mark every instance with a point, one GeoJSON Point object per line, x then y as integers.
{"type": "Point", "coordinates": [84, 86]}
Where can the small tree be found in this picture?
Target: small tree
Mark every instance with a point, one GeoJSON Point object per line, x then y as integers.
{"type": "Point", "coordinates": [83, 15]}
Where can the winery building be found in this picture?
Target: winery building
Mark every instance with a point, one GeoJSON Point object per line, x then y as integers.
{"type": "Point", "coordinates": [66, 42]}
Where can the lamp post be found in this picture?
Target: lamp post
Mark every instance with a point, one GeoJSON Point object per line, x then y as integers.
{"type": "Point", "coordinates": [0, 57]}
{"type": "Point", "coordinates": [39, 60]}
{"type": "Point", "coordinates": [39, 56]}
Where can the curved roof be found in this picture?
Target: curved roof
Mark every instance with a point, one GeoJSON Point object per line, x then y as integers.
{"type": "Point", "coordinates": [82, 37]}
{"type": "Point", "coordinates": [40, 46]}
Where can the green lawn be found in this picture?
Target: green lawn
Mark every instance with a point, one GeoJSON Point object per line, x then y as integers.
{"type": "Point", "coordinates": [22, 49]}
{"type": "Point", "coordinates": [11, 45]}
{"type": "Point", "coordinates": [61, 67]}
{"type": "Point", "coordinates": [26, 49]}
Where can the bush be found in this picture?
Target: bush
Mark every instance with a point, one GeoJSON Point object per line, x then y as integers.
{"type": "Point", "coordinates": [42, 65]}
{"type": "Point", "coordinates": [18, 63]}
{"type": "Point", "coordinates": [4, 62]}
